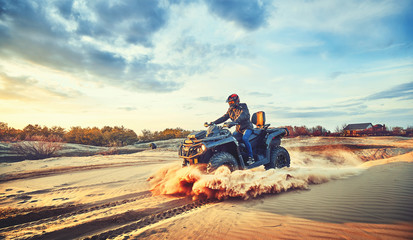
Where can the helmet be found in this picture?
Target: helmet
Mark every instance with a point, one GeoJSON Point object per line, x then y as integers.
{"type": "Point", "coordinates": [233, 100]}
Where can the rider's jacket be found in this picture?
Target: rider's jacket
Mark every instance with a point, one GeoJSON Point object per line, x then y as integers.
{"type": "Point", "coordinates": [238, 114]}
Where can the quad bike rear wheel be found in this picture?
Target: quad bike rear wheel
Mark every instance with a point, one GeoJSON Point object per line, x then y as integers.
{"type": "Point", "coordinates": [279, 158]}
{"type": "Point", "coordinates": [222, 158]}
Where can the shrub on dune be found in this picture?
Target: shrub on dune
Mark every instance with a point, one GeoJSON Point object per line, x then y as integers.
{"type": "Point", "coordinates": [38, 147]}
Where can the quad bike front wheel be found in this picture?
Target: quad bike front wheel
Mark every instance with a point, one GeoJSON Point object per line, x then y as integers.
{"type": "Point", "coordinates": [279, 158]}
{"type": "Point", "coordinates": [222, 158]}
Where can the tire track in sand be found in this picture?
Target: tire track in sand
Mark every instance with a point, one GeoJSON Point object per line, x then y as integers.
{"type": "Point", "coordinates": [117, 224]}
{"type": "Point", "coordinates": [46, 214]}
{"type": "Point", "coordinates": [100, 220]}
{"type": "Point", "coordinates": [149, 220]}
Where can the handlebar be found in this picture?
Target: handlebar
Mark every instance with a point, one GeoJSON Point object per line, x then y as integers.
{"type": "Point", "coordinates": [226, 124]}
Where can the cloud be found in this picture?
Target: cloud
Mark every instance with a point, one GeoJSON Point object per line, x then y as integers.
{"type": "Point", "coordinates": [133, 21]}
{"type": "Point", "coordinates": [403, 92]}
{"type": "Point", "coordinates": [89, 39]}
{"type": "Point", "coordinates": [313, 114]}
{"type": "Point", "coordinates": [336, 74]}
{"type": "Point", "coordinates": [208, 99]}
{"type": "Point", "coordinates": [249, 14]}
{"type": "Point", "coordinates": [12, 87]}
{"type": "Point", "coordinates": [128, 109]}
{"type": "Point", "coordinates": [347, 17]}
{"type": "Point", "coordinates": [65, 8]}
{"type": "Point", "coordinates": [25, 88]}
{"type": "Point", "coordinates": [198, 49]}
{"type": "Point", "coordinates": [349, 108]}
{"type": "Point", "coordinates": [189, 55]}
{"type": "Point", "coordinates": [308, 112]}
{"type": "Point", "coordinates": [104, 63]}
{"type": "Point", "coordinates": [157, 85]}
{"type": "Point", "coordinates": [260, 94]}
{"type": "Point", "coordinates": [344, 26]}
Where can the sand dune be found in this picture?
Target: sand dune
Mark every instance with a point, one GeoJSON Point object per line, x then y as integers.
{"type": "Point", "coordinates": [336, 188]}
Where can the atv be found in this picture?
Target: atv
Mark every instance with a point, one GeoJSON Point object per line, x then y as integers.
{"type": "Point", "coordinates": [216, 146]}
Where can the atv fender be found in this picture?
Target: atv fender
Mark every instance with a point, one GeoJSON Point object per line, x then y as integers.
{"type": "Point", "coordinates": [228, 141]}
{"type": "Point", "coordinates": [273, 139]}
{"type": "Point", "coordinates": [213, 144]}
{"type": "Point", "coordinates": [267, 159]}
{"type": "Point", "coordinates": [277, 134]}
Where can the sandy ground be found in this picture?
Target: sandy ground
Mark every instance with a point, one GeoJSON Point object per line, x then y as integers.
{"type": "Point", "coordinates": [336, 188]}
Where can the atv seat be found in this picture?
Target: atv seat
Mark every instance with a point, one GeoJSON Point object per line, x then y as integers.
{"type": "Point", "coordinates": [258, 119]}
{"type": "Point", "coordinates": [256, 131]}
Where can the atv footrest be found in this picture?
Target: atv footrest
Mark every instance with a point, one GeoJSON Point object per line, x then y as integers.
{"type": "Point", "coordinates": [261, 161]}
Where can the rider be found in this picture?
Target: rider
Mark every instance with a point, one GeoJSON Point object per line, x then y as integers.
{"type": "Point", "coordinates": [240, 116]}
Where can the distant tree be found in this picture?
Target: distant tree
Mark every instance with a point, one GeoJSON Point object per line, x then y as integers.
{"type": "Point", "coordinates": [168, 133]}
{"type": "Point", "coordinates": [31, 130]}
{"type": "Point", "coordinates": [318, 131]}
{"type": "Point", "coordinates": [147, 135]}
{"type": "Point", "coordinates": [57, 131]}
{"type": "Point", "coordinates": [44, 131]}
{"type": "Point", "coordinates": [304, 131]}
{"type": "Point", "coordinates": [397, 131]}
{"type": "Point", "coordinates": [340, 129]}
{"type": "Point", "coordinates": [119, 136]}
{"type": "Point", "coordinates": [107, 136]}
{"type": "Point", "coordinates": [409, 131]}
{"type": "Point", "coordinates": [94, 136]}
{"type": "Point", "coordinates": [8, 133]}
{"type": "Point", "coordinates": [4, 130]}
{"type": "Point", "coordinates": [75, 135]}
{"type": "Point", "coordinates": [301, 131]}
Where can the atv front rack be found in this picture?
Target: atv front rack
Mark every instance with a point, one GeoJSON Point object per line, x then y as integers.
{"type": "Point", "coordinates": [190, 150]}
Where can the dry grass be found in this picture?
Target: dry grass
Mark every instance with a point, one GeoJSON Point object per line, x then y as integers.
{"type": "Point", "coordinates": [38, 147]}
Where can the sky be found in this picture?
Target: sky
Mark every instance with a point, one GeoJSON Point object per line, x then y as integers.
{"type": "Point", "coordinates": [172, 63]}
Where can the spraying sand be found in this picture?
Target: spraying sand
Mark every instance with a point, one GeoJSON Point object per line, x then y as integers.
{"type": "Point", "coordinates": [222, 184]}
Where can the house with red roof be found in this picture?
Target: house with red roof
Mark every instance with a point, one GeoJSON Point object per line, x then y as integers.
{"type": "Point", "coordinates": [360, 129]}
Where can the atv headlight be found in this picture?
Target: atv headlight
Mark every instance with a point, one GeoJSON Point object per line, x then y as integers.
{"type": "Point", "coordinates": [201, 149]}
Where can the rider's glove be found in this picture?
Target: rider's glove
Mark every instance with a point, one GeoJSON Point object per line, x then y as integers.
{"type": "Point", "coordinates": [207, 124]}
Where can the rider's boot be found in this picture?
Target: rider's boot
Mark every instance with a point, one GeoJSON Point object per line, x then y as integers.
{"type": "Point", "coordinates": [250, 160]}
